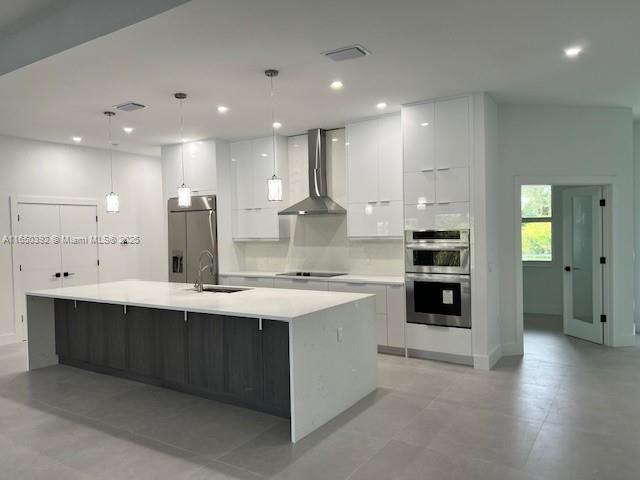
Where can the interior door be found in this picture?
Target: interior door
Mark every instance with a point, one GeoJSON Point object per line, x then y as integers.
{"type": "Point", "coordinates": [583, 270]}
{"type": "Point", "coordinates": [38, 256]}
{"type": "Point", "coordinates": [78, 224]}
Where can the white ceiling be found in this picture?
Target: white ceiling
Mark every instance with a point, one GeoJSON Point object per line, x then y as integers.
{"type": "Point", "coordinates": [216, 51]}
{"type": "Point", "coordinates": [18, 14]}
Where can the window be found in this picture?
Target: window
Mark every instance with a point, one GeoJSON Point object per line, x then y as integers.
{"type": "Point", "coordinates": [535, 205]}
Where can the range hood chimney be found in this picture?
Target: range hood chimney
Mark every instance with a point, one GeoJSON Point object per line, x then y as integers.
{"type": "Point", "coordinates": [317, 203]}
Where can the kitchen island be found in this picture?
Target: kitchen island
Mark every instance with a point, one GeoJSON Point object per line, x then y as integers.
{"type": "Point", "coordinates": [307, 355]}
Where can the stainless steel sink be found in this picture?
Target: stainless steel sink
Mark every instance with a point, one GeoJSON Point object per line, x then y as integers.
{"type": "Point", "coordinates": [222, 289]}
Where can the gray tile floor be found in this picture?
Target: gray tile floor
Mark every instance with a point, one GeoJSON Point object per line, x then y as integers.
{"type": "Point", "coordinates": [568, 410]}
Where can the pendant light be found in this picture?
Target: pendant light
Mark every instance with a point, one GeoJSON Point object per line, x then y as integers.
{"type": "Point", "coordinates": [274, 184]}
{"type": "Point", "coordinates": [113, 201]}
{"type": "Point", "coordinates": [184, 192]}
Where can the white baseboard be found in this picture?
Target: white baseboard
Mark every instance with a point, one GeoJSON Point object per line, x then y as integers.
{"type": "Point", "coordinates": [487, 362]}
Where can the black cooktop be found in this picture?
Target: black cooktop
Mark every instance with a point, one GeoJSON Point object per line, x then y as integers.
{"type": "Point", "coordinates": [310, 274]}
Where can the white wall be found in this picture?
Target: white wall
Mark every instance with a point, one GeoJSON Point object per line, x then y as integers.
{"type": "Point", "coordinates": [542, 284]}
{"type": "Point", "coordinates": [556, 141]}
{"type": "Point", "coordinates": [320, 242]}
{"type": "Point", "coordinates": [45, 169]}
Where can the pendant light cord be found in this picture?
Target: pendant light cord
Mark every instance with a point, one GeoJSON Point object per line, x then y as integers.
{"type": "Point", "coordinates": [273, 128]}
{"type": "Point", "coordinates": [182, 140]}
{"type": "Point", "coordinates": [110, 150]}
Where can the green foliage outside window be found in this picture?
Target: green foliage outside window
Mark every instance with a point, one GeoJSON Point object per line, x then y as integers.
{"type": "Point", "coordinates": [536, 211]}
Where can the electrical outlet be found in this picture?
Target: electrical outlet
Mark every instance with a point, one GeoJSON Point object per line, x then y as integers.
{"type": "Point", "coordinates": [340, 334]}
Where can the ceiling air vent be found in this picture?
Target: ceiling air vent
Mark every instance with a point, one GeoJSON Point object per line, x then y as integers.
{"type": "Point", "coordinates": [130, 106]}
{"type": "Point", "coordinates": [347, 53]}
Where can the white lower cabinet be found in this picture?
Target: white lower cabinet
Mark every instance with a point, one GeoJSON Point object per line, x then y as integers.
{"type": "Point", "coordinates": [300, 284]}
{"type": "Point", "coordinates": [240, 281]}
{"type": "Point", "coordinates": [396, 315]}
{"type": "Point", "coordinates": [446, 340]}
{"type": "Point", "coordinates": [375, 219]}
{"type": "Point", "coordinates": [453, 215]}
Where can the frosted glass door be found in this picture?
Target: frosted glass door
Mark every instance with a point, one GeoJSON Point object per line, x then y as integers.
{"type": "Point", "coordinates": [583, 271]}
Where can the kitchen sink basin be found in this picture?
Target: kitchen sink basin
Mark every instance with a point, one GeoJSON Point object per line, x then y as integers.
{"type": "Point", "coordinates": [221, 289]}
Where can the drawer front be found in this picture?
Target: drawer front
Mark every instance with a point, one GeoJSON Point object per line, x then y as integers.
{"type": "Point", "coordinates": [452, 185]}
{"type": "Point", "coordinates": [438, 217]}
{"type": "Point", "coordinates": [380, 291]}
{"type": "Point", "coordinates": [300, 284]}
{"type": "Point", "coordinates": [419, 187]}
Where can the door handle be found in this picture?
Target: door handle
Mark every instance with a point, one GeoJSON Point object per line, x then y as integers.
{"type": "Point", "coordinates": [57, 275]}
{"type": "Point", "coordinates": [567, 268]}
{"type": "Point", "coordinates": [67, 274]}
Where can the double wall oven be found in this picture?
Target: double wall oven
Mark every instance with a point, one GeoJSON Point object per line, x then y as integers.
{"type": "Point", "coordinates": [438, 277]}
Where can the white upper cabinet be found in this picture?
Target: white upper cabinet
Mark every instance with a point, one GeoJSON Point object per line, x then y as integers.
{"type": "Point", "coordinates": [418, 137]}
{"type": "Point", "coordinates": [374, 178]}
{"type": "Point", "coordinates": [452, 133]}
{"type": "Point", "coordinates": [254, 216]}
{"type": "Point", "coordinates": [390, 159]}
{"type": "Point", "coordinates": [437, 152]}
{"type": "Point", "coordinates": [362, 160]}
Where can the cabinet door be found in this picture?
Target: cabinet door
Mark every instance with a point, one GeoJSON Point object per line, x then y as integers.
{"type": "Point", "coordinates": [418, 137]}
{"type": "Point", "coordinates": [382, 219]}
{"type": "Point", "coordinates": [243, 167]}
{"type": "Point", "coordinates": [452, 185]}
{"type": "Point", "coordinates": [97, 334]}
{"type": "Point", "coordinates": [381, 329]}
{"type": "Point", "coordinates": [242, 224]}
{"type": "Point", "coordinates": [262, 153]}
{"type": "Point", "coordinates": [115, 335]}
{"type": "Point", "coordinates": [275, 357]}
{"type": "Point", "coordinates": [77, 327]}
{"type": "Point", "coordinates": [452, 133]}
{"type": "Point", "coordinates": [419, 188]}
{"type": "Point", "coordinates": [141, 333]}
{"type": "Point", "coordinates": [171, 346]}
{"type": "Point", "coordinates": [450, 216]}
{"type": "Point", "coordinates": [396, 318]}
{"type": "Point", "coordinates": [300, 284]}
{"type": "Point", "coordinates": [206, 353]}
{"type": "Point", "coordinates": [390, 159]}
{"type": "Point", "coordinates": [266, 223]}
{"type": "Point", "coordinates": [243, 358]}
{"type": "Point", "coordinates": [362, 162]}
{"type": "Point", "coordinates": [61, 326]}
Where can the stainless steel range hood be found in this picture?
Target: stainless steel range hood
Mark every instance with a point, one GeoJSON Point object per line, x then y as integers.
{"type": "Point", "coordinates": [318, 202]}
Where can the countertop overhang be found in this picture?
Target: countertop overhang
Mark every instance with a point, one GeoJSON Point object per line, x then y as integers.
{"type": "Point", "coordinates": [266, 303]}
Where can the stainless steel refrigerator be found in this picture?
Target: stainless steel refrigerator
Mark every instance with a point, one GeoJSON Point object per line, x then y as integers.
{"type": "Point", "coordinates": [192, 230]}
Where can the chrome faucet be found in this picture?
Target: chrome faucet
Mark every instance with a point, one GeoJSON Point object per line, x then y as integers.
{"type": "Point", "coordinates": [199, 286]}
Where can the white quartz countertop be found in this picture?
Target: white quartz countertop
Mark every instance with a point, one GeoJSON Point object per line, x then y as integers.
{"type": "Point", "coordinates": [265, 303]}
{"type": "Point", "coordinates": [348, 278]}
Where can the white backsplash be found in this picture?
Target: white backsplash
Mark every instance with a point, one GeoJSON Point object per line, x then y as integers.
{"type": "Point", "coordinates": [320, 242]}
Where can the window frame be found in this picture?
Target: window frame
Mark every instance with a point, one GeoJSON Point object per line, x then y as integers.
{"type": "Point", "coordinates": [549, 220]}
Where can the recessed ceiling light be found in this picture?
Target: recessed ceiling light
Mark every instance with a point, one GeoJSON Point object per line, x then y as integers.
{"type": "Point", "coordinates": [381, 106]}
{"type": "Point", "coordinates": [573, 52]}
{"type": "Point", "coordinates": [348, 143]}
{"type": "Point", "coordinates": [334, 139]}
{"type": "Point", "coordinates": [336, 85]}
{"type": "Point", "coordinates": [183, 140]}
{"type": "Point", "coordinates": [264, 155]}
{"type": "Point", "coordinates": [127, 130]}
{"type": "Point", "coordinates": [76, 139]}
{"type": "Point", "coordinates": [424, 124]}
{"type": "Point", "coordinates": [276, 125]}
{"type": "Point", "coordinates": [222, 109]}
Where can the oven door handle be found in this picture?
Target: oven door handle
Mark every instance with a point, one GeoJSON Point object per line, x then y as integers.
{"type": "Point", "coordinates": [436, 246]}
{"type": "Point", "coordinates": [438, 277]}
